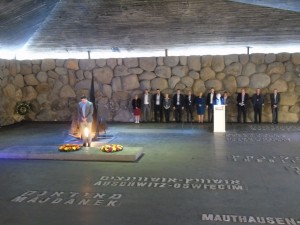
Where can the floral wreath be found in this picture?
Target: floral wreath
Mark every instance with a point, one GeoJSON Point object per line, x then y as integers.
{"type": "Point", "coordinates": [23, 108]}
{"type": "Point", "coordinates": [69, 147]}
{"type": "Point", "coordinates": [111, 148]}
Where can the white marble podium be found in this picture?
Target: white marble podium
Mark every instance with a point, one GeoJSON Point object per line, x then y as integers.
{"type": "Point", "coordinates": [219, 118]}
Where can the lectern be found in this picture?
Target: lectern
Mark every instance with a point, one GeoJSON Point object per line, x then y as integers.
{"type": "Point", "coordinates": [219, 118]}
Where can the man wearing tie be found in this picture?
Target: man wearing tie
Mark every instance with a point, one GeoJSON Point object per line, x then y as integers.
{"type": "Point", "coordinates": [158, 105]}
{"type": "Point", "coordinates": [210, 98]}
{"type": "Point", "coordinates": [85, 111]}
{"type": "Point", "coordinates": [178, 102]}
{"type": "Point", "coordinates": [242, 99]}
{"type": "Point", "coordinates": [275, 100]}
{"type": "Point", "coordinates": [146, 106]}
{"type": "Point", "coordinates": [189, 104]}
{"type": "Point", "coordinates": [258, 102]}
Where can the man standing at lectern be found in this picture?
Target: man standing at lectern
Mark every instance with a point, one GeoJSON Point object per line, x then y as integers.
{"type": "Point", "coordinates": [85, 111]}
{"type": "Point", "coordinates": [210, 98]}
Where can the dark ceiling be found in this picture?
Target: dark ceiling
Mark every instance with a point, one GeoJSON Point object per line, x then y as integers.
{"type": "Point", "coordinates": [146, 25]}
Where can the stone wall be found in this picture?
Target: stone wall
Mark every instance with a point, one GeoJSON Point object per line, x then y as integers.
{"type": "Point", "coordinates": [53, 87]}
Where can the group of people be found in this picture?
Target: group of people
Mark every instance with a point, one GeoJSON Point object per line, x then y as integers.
{"type": "Point", "coordinates": [164, 104]}
{"type": "Point", "coordinates": [258, 101]}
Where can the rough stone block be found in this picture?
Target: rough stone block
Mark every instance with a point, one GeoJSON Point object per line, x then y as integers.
{"type": "Point", "coordinates": [280, 84]}
{"type": "Point", "coordinates": [216, 84]}
{"type": "Point", "coordinates": [258, 58]}
{"type": "Point", "coordinates": [163, 71]}
{"type": "Point", "coordinates": [230, 84]}
{"type": "Point", "coordinates": [249, 69]}
{"type": "Point", "coordinates": [207, 74]}
{"type": "Point", "coordinates": [67, 92]}
{"type": "Point", "coordinates": [130, 82]}
{"type": "Point", "coordinates": [148, 64]}
{"type": "Point", "coordinates": [19, 80]}
{"type": "Point", "coordinates": [171, 61]}
{"type": "Point", "coordinates": [159, 83]}
{"type": "Point", "coordinates": [234, 69]}
{"type": "Point", "coordinates": [229, 59]}
{"type": "Point", "coordinates": [30, 79]}
{"type": "Point", "coordinates": [71, 64]}
{"type": "Point", "coordinates": [103, 75]}
{"type": "Point", "coordinates": [121, 71]}
{"type": "Point", "coordinates": [187, 81]}
{"type": "Point", "coordinates": [206, 60]}
{"type": "Point", "coordinates": [42, 77]}
{"type": "Point", "coordinates": [217, 63]}
{"type": "Point", "coordinates": [131, 62]}
{"type": "Point", "coordinates": [295, 58]}
{"type": "Point", "coordinates": [29, 93]}
{"type": "Point", "coordinates": [180, 71]}
{"type": "Point", "coordinates": [276, 67]}
{"type": "Point", "coordinates": [194, 63]}
{"type": "Point", "coordinates": [173, 81]}
{"type": "Point", "coordinates": [259, 80]}
{"type": "Point", "coordinates": [147, 76]}
{"type": "Point", "coordinates": [48, 64]}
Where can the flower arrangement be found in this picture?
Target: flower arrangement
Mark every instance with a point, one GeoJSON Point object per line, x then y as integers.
{"type": "Point", "coordinates": [111, 148]}
{"type": "Point", "coordinates": [23, 108]}
{"type": "Point", "coordinates": [69, 147]}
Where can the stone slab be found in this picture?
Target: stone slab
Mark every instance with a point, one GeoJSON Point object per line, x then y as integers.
{"type": "Point", "coordinates": [129, 154]}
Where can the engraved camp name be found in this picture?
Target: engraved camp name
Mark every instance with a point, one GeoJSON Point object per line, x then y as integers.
{"type": "Point", "coordinates": [69, 198]}
{"type": "Point", "coordinates": [249, 219]}
{"type": "Point", "coordinates": [171, 183]}
{"type": "Point", "coordinates": [265, 159]}
{"type": "Point", "coordinates": [293, 169]}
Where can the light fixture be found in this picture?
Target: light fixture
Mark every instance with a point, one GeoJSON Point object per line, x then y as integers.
{"type": "Point", "coordinates": [115, 49]}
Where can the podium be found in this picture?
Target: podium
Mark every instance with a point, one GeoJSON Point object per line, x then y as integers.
{"type": "Point", "coordinates": [219, 118]}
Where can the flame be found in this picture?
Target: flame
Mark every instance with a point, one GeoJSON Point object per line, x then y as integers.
{"type": "Point", "coordinates": [86, 131]}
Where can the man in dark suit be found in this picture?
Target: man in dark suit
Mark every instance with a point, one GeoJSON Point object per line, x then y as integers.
{"type": "Point", "coordinates": [158, 105]}
{"type": "Point", "coordinates": [210, 98]}
{"type": "Point", "coordinates": [178, 105]}
{"type": "Point", "coordinates": [189, 106]}
{"type": "Point", "coordinates": [85, 111]}
{"type": "Point", "coordinates": [275, 100]}
{"type": "Point", "coordinates": [242, 99]}
{"type": "Point", "coordinates": [258, 102]}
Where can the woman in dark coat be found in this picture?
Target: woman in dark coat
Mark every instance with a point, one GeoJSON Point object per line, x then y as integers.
{"type": "Point", "coordinates": [200, 106]}
{"type": "Point", "coordinates": [136, 105]}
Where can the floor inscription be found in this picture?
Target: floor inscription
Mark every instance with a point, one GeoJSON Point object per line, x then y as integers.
{"type": "Point", "coordinates": [249, 219]}
{"type": "Point", "coordinates": [173, 183]}
{"type": "Point", "coordinates": [69, 198]}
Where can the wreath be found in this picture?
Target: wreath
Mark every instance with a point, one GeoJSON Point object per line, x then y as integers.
{"type": "Point", "coordinates": [69, 147]}
{"type": "Point", "coordinates": [111, 148]}
{"type": "Point", "coordinates": [23, 108]}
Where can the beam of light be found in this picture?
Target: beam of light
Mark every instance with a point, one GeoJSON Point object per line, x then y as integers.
{"type": "Point", "coordinates": [227, 50]}
{"type": "Point", "coordinates": [292, 5]}
{"type": "Point", "coordinates": [28, 55]}
{"type": "Point", "coordinates": [7, 54]}
{"type": "Point", "coordinates": [127, 54]}
{"type": "Point", "coordinates": [199, 50]}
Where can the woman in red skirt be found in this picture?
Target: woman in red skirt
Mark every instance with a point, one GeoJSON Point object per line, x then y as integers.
{"type": "Point", "coordinates": [136, 105]}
